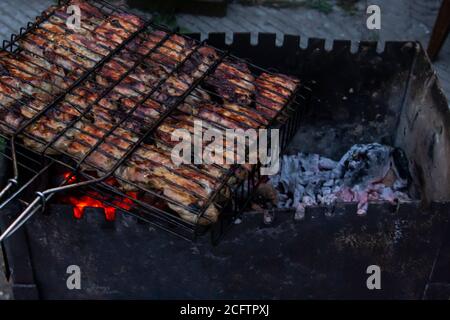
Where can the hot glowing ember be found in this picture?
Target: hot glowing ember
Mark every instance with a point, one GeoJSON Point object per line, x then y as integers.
{"type": "Point", "coordinates": [80, 203]}
{"type": "Point", "coordinates": [70, 177]}
{"type": "Point", "coordinates": [93, 201]}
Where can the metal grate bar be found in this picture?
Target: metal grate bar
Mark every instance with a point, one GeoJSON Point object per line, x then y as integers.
{"type": "Point", "coordinates": [103, 95]}
{"type": "Point", "coordinates": [79, 81]}
{"type": "Point", "coordinates": [165, 113]}
{"type": "Point", "coordinates": [146, 97]}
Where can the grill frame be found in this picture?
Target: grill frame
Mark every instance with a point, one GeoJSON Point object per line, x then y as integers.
{"type": "Point", "coordinates": [210, 269]}
{"type": "Point", "coordinates": [246, 186]}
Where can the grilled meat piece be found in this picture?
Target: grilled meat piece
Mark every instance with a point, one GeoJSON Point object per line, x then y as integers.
{"type": "Point", "coordinates": [71, 50]}
{"type": "Point", "coordinates": [163, 133]}
{"type": "Point", "coordinates": [59, 117]}
{"type": "Point", "coordinates": [166, 144]}
{"type": "Point", "coordinates": [199, 62]}
{"type": "Point", "coordinates": [111, 150]}
{"type": "Point", "coordinates": [56, 120]}
{"type": "Point", "coordinates": [188, 71]}
{"type": "Point", "coordinates": [119, 26]}
{"type": "Point", "coordinates": [84, 95]}
{"type": "Point", "coordinates": [210, 216]}
{"type": "Point", "coordinates": [151, 167]}
{"type": "Point", "coordinates": [113, 109]}
{"type": "Point", "coordinates": [12, 101]}
{"type": "Point", "coordinates": [10, 120]}
{"type": "Point", "coordinates": [247, 112]}
{"type": "Point", "coordinates": [18, 102]}
{"type": "Point", "coordinates": [83, 36]}
{"type": "Point", "coordinates": [87, 9]}
{"type": "Point", "coordinates": [92, 18]}
{"type": "Point", "coordinates": [95, 128]}
{"type": "Point", "coordinates": [226, 116]}
{"type": "Point", "coordinates": [125, 59]}
{"type": "Point", "coordinates": [53, 57]}
{"type": "Point", "coordinates": [8, 94]}
{"type": "Point", "coordinates": [89, 42]}
{"type": "Point", "coordinates": [198, 95]}
{"type": "Point", "coordinates": [233, 82]}
{"type": "Point", "coordinates": [145, 77]}
{"type": "Point", "coordinates": [27, 72]}
{"type": "Point", "coordinates": [273, 92]}
{"type": "Point", "coordinates": [45, 129]}
{"type": "Point", "coordinates": [146, 42]}
{"type": "Point", "coordinates": [10, 91]}
{"type": "Point", "coordinates": [135, 84]}
{"type": "Point", "coordinates": [139, 117]}
{"type": "Point", "coordinates": [38, 82]}
{"type": "Point", "coordinates": [89, 141]}
{"type": "Point", "coordinates": [150, 109]}
{"type": "Point", "coordinates": [57, 76]}
{"type": "Point", "coordinates": [219, 116]}
{"type": "Point", "coordinates": [25, 89]}
{"type": "Point", "coordinates": [159, 163]}
{"type": "Point", "coordinates": [58, 48]}
{"type": "Point", "coordinates": [116, 107]}
{"type": "Point", "coordinates": [173, 51]}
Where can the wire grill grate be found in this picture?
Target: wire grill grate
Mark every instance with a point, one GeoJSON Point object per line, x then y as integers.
{"type": "Point", "coordinates": [100, 109]}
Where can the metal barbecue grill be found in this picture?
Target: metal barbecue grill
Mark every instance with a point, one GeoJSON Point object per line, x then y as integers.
{"type": "Point", "coordinates": [393, 95]}
{"type": "Point", "coordinates": [30, 165]}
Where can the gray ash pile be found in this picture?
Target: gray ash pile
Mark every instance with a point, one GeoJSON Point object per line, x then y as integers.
{"type": "Point", "coordinates": [367, 172]}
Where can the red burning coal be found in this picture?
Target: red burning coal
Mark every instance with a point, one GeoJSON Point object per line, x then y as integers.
{"type": "Point", "coordinates": [96, 200]}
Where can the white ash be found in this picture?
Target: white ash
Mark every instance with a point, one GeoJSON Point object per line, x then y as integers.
{"type": "Point", "coordinates": [367, 172]}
